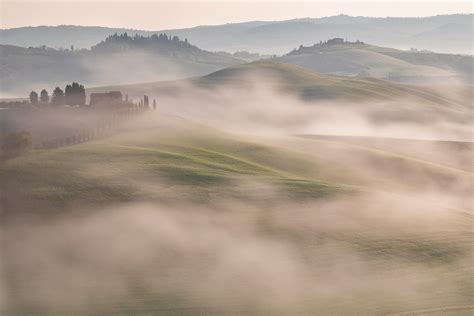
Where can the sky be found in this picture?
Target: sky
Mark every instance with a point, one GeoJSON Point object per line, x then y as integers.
{"type": "Point", "coordinates": [161, 15]}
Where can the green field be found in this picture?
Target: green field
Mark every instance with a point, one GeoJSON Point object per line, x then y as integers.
{"type": "Point", "coordinates": [170, 217]}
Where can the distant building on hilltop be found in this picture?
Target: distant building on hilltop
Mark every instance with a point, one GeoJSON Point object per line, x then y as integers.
{"type": "Point", "coordinates": [106, 98]}
{"type": "Point", "coordinates": [319, 47]}
{"type": "Point", "coordinates": [335, 41]}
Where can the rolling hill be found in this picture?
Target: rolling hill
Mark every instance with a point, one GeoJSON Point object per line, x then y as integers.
{"type": "Point", "coordinates": [304, 83]}
{"type": "Point", "coordinates": [444, 33]}
{"type": "Point", "coordinates": [244, 96]}
{"type": "Point", "coordinates": [360, 59]}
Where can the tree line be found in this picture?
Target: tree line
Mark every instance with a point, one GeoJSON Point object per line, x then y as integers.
{"type": "Point", "coordinates": [124, 41]}
{"type": "Point", "coordinates": [73, 94]}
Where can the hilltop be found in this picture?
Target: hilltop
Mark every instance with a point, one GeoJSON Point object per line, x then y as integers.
{"type": "Point", "coordinates": [162, 45]}
{"type": "Point", "coordinates": [337, 56]}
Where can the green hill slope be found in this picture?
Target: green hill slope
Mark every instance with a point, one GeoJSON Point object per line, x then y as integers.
{"type": "Point", "coordinates": [191, 159]}
{"type": "Point", "coordinates": [215, 202]}
{"type": "Point", "coordinates": [360, 59]}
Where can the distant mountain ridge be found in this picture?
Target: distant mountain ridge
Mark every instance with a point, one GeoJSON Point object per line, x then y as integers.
{"type": "Point", "coordinates": [442, 33]}
{"type": "Point", "coordinates": [123, 59]}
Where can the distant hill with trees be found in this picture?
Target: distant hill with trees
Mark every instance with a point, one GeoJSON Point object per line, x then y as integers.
{"type": "Point", "coordinates": [118, 59]}
{"type": "Point", "coordinates": [163, 45]}
{"type": "Point", "coordinates": [443, 33]}
{"type": "Point", "coordinates": [337, 56]}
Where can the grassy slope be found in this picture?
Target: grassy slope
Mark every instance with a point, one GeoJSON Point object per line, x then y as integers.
{"type": "Point", "coordinates": [198, 166]}
{"type": "Point", "coordinates": [311, 85]}
{"type": "Point", "coordinates": [362, 62]}
{"type": "Point", "coordinates": [200, 161]}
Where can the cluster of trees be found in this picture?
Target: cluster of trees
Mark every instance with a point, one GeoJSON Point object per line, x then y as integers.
{"type": "Point", "coordinates": [162, 37]}
{"type": "Point", "coordinates": [51, 49]}
{"type": "Point", "coordinates": [145, 103]}
{"type": "Point", "coordinates": [124, 41]}
{"type": "Point", "coordinates": [73, 94]}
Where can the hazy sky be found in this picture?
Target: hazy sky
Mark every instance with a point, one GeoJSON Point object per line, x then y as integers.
{"type": "Point", "coordinates": [157, 14]}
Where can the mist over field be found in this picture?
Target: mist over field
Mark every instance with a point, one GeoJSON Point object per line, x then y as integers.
{"type": "Point", "coordinates": [192, 182]}
{"type": "Point", "coordinates": [263, 109]}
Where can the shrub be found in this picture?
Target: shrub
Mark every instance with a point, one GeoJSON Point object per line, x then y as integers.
{"type": "Point", "coordinates": [14, 144]}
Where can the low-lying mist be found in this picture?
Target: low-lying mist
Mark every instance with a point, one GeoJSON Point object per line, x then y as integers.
{"type": "Point", "coordinates": [263, 104]}
{"type": "Point", "coordinates": [374, 254]}
{"type": "Point", "coordinates": [391, 233]}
